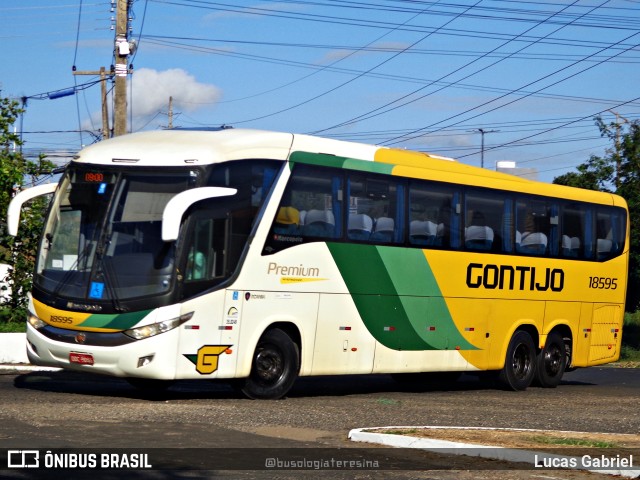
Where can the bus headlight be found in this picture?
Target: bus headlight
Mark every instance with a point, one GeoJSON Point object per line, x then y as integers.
{"type": "Point", "coordinates": [154, 329]}
{"type": "Point", "coordinates": [35, 322]}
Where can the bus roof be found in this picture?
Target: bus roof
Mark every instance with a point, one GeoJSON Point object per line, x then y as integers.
{"type": "Point", "coordinates": [180, 147]}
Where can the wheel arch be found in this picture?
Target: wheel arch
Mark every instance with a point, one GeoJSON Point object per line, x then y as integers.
{"type": "Point", "coordinates": [287, 326]}
{"type": "Point", "coordinates": [527, 327]}
{"type": "Point", "coordinates": [567, 335]}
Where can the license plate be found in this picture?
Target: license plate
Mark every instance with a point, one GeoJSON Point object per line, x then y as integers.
{"type": "Point", "coordinates": [81, 358]}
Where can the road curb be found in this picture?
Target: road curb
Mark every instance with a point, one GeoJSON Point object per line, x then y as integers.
{"type": "Point", "coordinates": [484, 451]}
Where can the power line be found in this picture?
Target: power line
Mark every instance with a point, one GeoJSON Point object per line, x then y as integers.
{"type": "Point", "coordinates": [383, 109]}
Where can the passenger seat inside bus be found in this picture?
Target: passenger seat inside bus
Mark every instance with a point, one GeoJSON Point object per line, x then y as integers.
{"type": "Point", "coordinates": [287, 221]}
{"type": "Point", "coordinates": [570, 246]}
{"type": "Point", "coordinates": [422, 232]}
{"type": "Point", "coordinates": [532, 243]}
{"type": "Point", "coordinates": [319, 223]}
{"type": "Point", "coordinates": [383, 230]}
{"type": "Point", "coordinates": [603, 248]}
{"type": "Point", "coordinates": [478, 237]}
{"type": "Point", "coordinates": [360, 227]}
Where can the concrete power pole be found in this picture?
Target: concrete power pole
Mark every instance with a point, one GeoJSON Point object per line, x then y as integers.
{"type": "Point", "coordinates": [122, 51]}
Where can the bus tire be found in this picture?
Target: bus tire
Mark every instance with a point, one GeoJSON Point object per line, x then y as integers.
{"type": "Point", "coordinates": [275, 366]}
{"type": "Point", "coordinates": [520, 363]}
{"type": "Point", "coordinates": [551, 361]}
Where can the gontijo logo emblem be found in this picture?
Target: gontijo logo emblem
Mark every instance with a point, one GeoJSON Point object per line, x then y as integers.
{"type": "Point", "coordinates": [206, 360]}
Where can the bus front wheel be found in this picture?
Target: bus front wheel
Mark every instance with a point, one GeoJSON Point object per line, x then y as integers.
{"type": "Point", "coordinates": [275, 366]}
{"type": "Point", "coordinates": [520, 364]}
{"type": "Point", "coordinates": [552, 361]}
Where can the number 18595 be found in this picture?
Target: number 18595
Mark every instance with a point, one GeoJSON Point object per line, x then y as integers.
{"type": "Point", "coordinates": [603, 283]}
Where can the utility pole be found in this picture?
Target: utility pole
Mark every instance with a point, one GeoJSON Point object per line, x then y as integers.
{"type": "Point", "coordinates": [121, 53]}
{"type": "Point", "coordinates": [170, 112]}
{"type": "Point", "coordinates": [122, 49]}
{"type": "Point", "coordinates": [106, 131]}
{"type": "Point", "coordinates": [618, 156]}
{"type": "Point", "coordinates": [482, 131]}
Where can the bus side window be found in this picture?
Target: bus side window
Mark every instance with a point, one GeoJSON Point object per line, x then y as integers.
{"type": "Point", "coordinates": [572, 229]}
{"type": "Point", "coordinates": [374, 205]}
{"type": "Point", "coordinates": [484, 216]}
{"type": "Point", "coordinates": [432, 215]}
{"type": "Point", "coordinates": [609, 232]}
{"type": "Point", "coordinates": [310, 208]}
{"type": "Point", "coordinates": [533, 227]}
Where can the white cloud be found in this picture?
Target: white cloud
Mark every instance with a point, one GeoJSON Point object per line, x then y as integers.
{"type": "Point", "coordinates": [151, 90]}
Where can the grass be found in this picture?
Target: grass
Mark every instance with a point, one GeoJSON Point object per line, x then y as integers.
{"type": "Point", "coordinates": [572, 442]}
{"type": "Point", "coordinates": [13, 327]}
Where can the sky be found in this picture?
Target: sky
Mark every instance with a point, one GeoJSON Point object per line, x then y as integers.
{"type": "Point", "coordinates": [421, 75]}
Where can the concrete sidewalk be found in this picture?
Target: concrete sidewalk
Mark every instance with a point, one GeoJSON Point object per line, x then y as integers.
{"type": "Point", "coordinates": [13, 348]}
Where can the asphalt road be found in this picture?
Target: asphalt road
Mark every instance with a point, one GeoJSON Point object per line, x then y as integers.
{"type": "Point", "coordinates": [55, 410]}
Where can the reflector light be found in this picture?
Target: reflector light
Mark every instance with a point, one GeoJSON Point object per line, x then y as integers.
{"type": "Point", "coordinates": [431, 329]}
{"type": "Point", "coordinates": [345, 328]}
{"type": "Point", "coordinates": [389, 329]}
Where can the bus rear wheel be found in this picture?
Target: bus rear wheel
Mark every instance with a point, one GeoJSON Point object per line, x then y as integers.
{"type": "Point", "coordinates": [551, 361]}
{"type": "Point", "coordinates": [520, 364]}
{"type": "Point", "coordinates": [275, 366]}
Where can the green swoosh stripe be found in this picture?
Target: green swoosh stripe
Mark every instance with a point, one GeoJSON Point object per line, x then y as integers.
{"type": "Point", "coordinates": [397, 296]}
{"type": "Point", "coordinates": [121, 321]}
{"type": "Point", "coordinates": [325, 160]}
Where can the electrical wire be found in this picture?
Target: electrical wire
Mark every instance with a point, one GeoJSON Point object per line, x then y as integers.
{"type": "Point", "coordinates": [75, 56]}
{"type": "Point", "coordinates": [383, 109]}
{"type": "Point", "coordinates": [353, 79]}
{"type": "Point", "coordinates": [412, 135]}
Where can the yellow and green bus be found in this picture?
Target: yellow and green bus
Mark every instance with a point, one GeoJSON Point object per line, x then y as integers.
{"type": "Point", "coordinates": [262, 256]}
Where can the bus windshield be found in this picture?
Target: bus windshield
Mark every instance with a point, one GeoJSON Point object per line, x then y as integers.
{"type": "Point", "coordinates": [102, 240]}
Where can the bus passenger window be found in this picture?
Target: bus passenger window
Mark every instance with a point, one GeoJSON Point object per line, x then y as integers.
{"type": "Point", "coordinates": [532, 227]}
{"type": "Point", "coordinates": [610, 223]}
{"type": "Point", "coordinates": [430, 214]}
{"type": "Point", "coordinates": [373, 207]}
{"type": "Point", "coordinates": [484, 214]}
{"type": "Point", "coordinates": [310, 208]}
{"type": "Point", "coordinates": [572, 228]}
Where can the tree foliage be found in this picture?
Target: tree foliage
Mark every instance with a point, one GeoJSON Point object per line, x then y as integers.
{"type": "Point", "coordinates": [19, 252]}
{"type": "Point", "coordinates": [618, 172]}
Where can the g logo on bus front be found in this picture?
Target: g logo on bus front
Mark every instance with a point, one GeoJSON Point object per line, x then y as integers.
{"type": "Point", "coordinates": [206, 360]}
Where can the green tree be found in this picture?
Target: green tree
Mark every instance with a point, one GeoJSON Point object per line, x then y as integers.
{"type": "Point", "coordinates": [619, 172]}
{"type": "Point", "coordinates": [19, 252]}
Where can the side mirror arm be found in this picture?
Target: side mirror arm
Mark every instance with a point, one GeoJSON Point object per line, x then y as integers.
{"type": "Point", "coordinates": [176, 207]}
{"type": "Point", "coordinates": [13, 212]}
